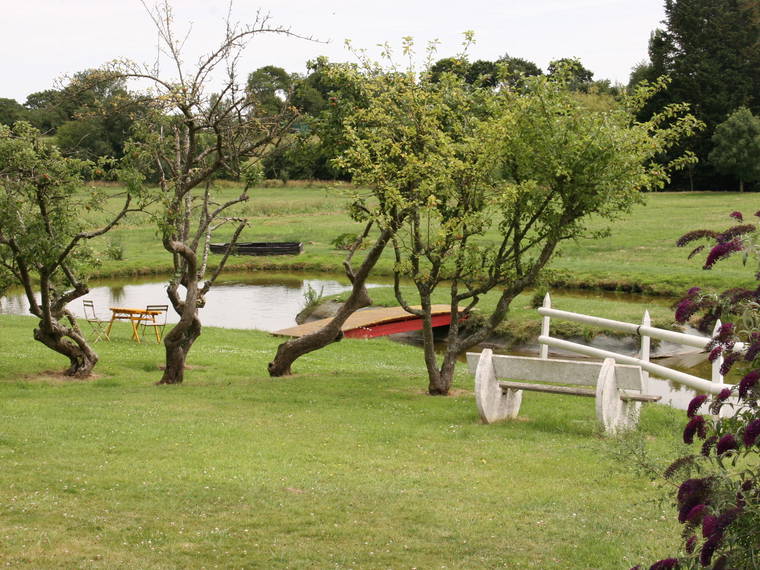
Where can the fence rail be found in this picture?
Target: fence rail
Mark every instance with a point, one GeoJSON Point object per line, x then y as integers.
{"type": "Point", "coordinates": [646, 332]}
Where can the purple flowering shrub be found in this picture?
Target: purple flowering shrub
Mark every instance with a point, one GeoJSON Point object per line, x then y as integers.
{"type": "Point", "coordinates": [718, 498]}
{"type": "Point", "coordinates": [732, 303]}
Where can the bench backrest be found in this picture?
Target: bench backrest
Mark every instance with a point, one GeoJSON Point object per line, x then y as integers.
{"type": "Point", "coordinates": [557, 371]}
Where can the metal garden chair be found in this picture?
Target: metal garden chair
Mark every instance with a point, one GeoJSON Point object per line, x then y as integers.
{"type": "Point", "coordinates": [97, 325]}
{"type": "Point", "coordinates": [156, 321]}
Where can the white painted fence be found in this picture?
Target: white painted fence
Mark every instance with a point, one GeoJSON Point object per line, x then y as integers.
{"type": "Point", "coordinates": [678, 396]}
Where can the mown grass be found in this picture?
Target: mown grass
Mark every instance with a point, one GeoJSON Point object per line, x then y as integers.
{"type": "Point", "coordinates": [347, 464]}
{"type": "Point", "coordinates": [639, 255]}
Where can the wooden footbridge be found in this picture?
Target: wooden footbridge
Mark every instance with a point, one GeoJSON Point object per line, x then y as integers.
{"type": "Point", "coordinates": [371, 323]}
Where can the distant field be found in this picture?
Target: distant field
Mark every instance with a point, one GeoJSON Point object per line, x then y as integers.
{"type": "Point", "coordinates": [639, 255]}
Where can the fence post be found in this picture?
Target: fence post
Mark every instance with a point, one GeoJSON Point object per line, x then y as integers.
{"type": "Point", "coordinates": [717, 377]}
{"type": "Point", "coordinates": [545, 326]}
{"type": "Point", "coordinates": [646, 343]}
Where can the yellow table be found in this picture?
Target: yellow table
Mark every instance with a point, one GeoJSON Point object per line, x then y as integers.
{"type": "Point", "coordinates": [135, 316]}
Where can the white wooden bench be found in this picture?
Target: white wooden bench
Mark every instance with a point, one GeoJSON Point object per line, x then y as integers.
{"type": "Point", "coordinates": [618, 387]}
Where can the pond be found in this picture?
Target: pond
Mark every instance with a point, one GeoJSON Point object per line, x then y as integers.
{"type": "Point", "coordinates": [261, 301]}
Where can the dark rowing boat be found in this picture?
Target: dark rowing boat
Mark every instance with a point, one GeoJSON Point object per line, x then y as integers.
{"type": "Point", "coordinates": [260, 248]}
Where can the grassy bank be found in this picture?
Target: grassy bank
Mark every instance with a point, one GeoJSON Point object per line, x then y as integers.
{"type": "Point", "coordinates": [347, 465]}
{"type": "Point", "coordinates": [639, 255]}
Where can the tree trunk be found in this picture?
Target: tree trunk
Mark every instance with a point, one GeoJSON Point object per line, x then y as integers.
{"type": "Point", "coordinates": [436, 384]}
{"type": "Point", "coordinates": [446, 374]}
{"type": "Point", "coordinates": [439, 379]}
{"type": "Point", "coordinates": [741, 185]}
{"type": "Point", "coordinates": [178, 342]}
{"type": "Point", "coordinates": [290, 351]}
{"type": "Point", "coordinates": [69, 343]}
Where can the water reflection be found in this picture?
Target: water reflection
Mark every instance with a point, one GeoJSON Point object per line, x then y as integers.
{"type": "Point", "coordinates": [117, 294]}
{"type": "Point", "coordinates": [238, 301]}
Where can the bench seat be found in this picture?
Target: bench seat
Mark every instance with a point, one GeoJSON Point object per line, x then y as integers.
{"type": "Point", "coordinates": [617, 388]}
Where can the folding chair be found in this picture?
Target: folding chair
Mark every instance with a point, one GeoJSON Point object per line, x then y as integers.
{"type": "Point", "coordinates": [158, 322]}
{"type": "Point", "coordinates": [97, 325]}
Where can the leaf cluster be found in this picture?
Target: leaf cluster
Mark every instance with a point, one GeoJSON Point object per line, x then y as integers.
{"type": "Point", "coordinates": [41, 206]}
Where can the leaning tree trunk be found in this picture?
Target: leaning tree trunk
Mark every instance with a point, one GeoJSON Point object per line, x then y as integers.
{"type": "Point", "coordinates": [69, 343]}
{"type": "Point", "coordinates": [177, 343]}
{"type": "Point", "coordinates": [290, 351]}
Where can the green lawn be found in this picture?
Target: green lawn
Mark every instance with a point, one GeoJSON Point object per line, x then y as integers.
{"type": "Point", "coordinates": [640, 253]}
{"type": "Point", "coordinates": [347, 464]}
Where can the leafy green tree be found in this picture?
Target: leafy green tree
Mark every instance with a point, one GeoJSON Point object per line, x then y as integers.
{"type": "Point", "coordinates": [43, 221]}
{"type": "Point", "coordinates": [483, 73]}
{"type": "Point", "coordinates": [92, 116]}
{"type": "Point", "coordinates": [311, 94]}
{"type": "Point", "coordinates": [10, 111]}
{"type": "Point", "coordinates": [710, 53]}
{"type": "Point", "coordinates": [270, 87]}
{"type": "Point", "coordinates": [458, 66]}
{"type": "Point", "coordinates": [737, 146]}
{"type": "Point", "coordinates": [101, 114]}
{"type": "Point", "coordinates": [84, 138]}
{"type": "Point", "coordinates": [47, 110]}
{"type": "Point", "coordinates": [709, 48]}
{"type": "Point", "coordinates": [642, 71]}
{"type": "Point", "coordinates": [476, 188]}
{"type": "Point", "coordinates": [324, 97]}
{"type": "Point", "coordinates": [571, 71]}
{"type": "Point", "coordinates": [516, 69]}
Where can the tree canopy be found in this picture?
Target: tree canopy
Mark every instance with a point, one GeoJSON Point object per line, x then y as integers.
{"type": "Point", "coordinates": [270, 87]}
{"type": "Point", "coordinates": [10, 111]}
{"type": "Point", "coordinates": [478, 187]}
{"type": "Point", "coordinates": [737, 146]}
{"type": "Point", "coordinates": [43, 232]}
{"type": "Point", "coordinates": [710, 49]}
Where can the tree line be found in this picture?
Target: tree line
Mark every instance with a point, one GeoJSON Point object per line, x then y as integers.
{"type": "Point", "coordinates": [709, 50]}
{"type": "Point", "coordinates": [94, 116]}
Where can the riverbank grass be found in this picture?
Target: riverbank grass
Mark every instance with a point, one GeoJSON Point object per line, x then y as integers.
{"type": "Point", "coordinates": [347, 464]}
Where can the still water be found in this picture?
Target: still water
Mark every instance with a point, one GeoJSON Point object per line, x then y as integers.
{"type": "Point", "coordinates": [237, 300]}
